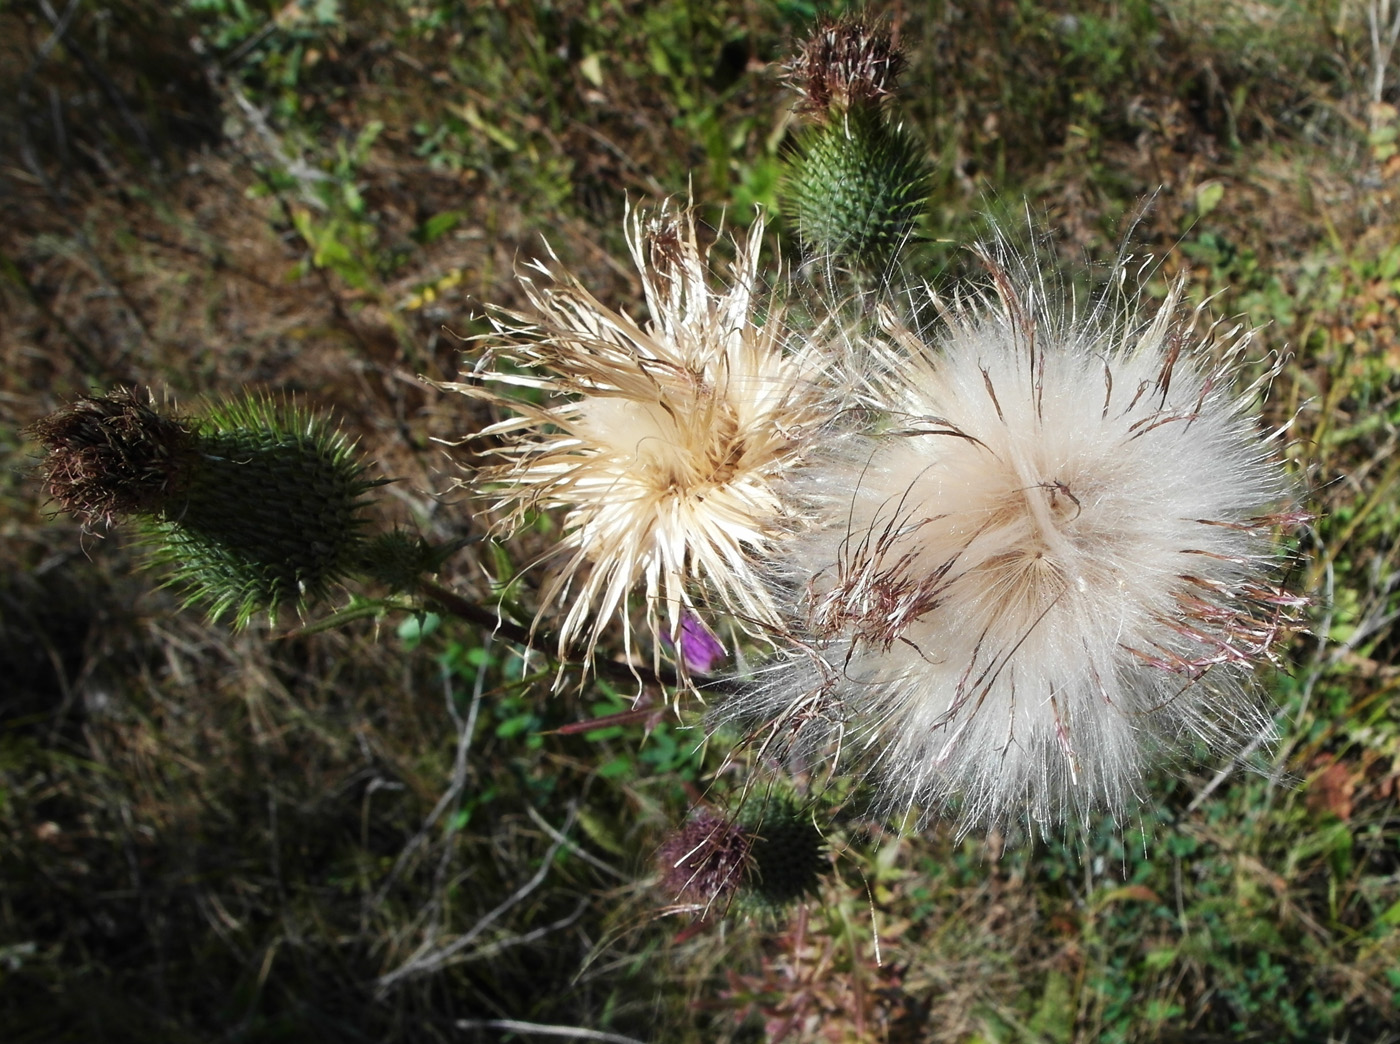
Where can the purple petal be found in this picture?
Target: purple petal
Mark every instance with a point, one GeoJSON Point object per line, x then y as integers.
{"type": "Point", "coordinates": [700, 650]}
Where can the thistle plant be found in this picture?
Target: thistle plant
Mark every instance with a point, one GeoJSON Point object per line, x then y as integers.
{"type": "Point", "coordinates": [1007, 555]}
{"type": "Point", "coordinates": [256, 506]}
{"type": "Point", "coordinates": [858, 180]}
{"type": "Point", "coordinates": [1003, 554]}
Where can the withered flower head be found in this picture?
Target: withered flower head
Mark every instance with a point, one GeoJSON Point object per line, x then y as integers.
{"type": "Point", "coordinates": [112, 455]}
{"type": "Point", "coordinates": [660, 440]}
{"type": "Point", "coordinates": [844, 62]}
{"type": "Point", "coordinates": [768, 857]}
{"type": "Point", "coordinates": [706, 860]}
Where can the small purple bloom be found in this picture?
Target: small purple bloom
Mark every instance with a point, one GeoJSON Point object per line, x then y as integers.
{"type": "Point", "coordinates": [700, 650]}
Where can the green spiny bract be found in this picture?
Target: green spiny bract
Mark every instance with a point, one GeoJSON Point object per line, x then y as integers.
{"type": "Point", "coordinates": [268, 514]}
{"type": "Point", "coordinates": [856, 189]}
{"type": "Point", "coordinates": [787, 855]}
{"type": "Point", "coordinates": [399, 559]}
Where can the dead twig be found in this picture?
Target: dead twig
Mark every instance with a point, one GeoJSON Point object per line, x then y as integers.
{"type": "Point", "coordinates": [431, 957]}
{"type": "Point", "coordinates": [540, 1029]}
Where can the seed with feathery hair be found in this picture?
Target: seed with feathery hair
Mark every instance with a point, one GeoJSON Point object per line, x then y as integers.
{"type": "Point", "coordinates": [1055, 562]}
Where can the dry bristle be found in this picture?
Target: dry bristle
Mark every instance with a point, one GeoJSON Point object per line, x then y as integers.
{"type": "Point", "coordinates": [844, 62]}
{"type": "Point", "coordinates": [112, 455]}
{"type": "Point", "coordinates": [661, 441]}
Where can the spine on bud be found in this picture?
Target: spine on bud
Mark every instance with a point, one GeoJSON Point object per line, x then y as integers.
{"type": "Point", "coordinates": [789, 855]}
{"type": "Point", "coordinates": [271, 514]}
{"type": "Point", "coordinates": [856, 190]}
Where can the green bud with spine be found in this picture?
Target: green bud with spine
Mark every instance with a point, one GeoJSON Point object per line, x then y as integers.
{"type": "Point", "coordinates": [787, 856]}
{"type": "Point", "coordinates": [253, 507]}
{"type": "Point", "coordinates": [856, 190]}
{"type": "Point", "coordinates": [857, 181]}
{"type": "Point", "coordinates": [400, 559]}
{"type": "Point", "coordinates": [270, 516]}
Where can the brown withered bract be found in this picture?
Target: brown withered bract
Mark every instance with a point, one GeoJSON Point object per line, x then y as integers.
{"type": "Point", "coordinates": [844, 62]}
{"type": "Point", "coordinates": [706, 860]}
{"type": "Point", "coordinates": [112, 455]}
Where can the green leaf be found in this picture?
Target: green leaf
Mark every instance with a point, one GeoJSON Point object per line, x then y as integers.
{"type": "Point", "coordinates": [417, 627]}
{"type": "Point", "coordinates": [1391, 916]}
{"type": "Point", "coordinates": [439, 225]}
{"type": "Point", "coordinates": [601, 833]}
{"type": "Point", "coordinates": [1208, 196]}
{"type": "Point", "coordinates": [619, 767]}
{"type": "Point", "coordinates": [515, 725]}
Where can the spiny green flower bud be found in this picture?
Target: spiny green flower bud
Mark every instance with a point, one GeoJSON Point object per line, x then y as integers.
{"type": "Point", "coordinates": [253, 507]}
{"type": "Point", "coordinates": [269, 514]}
{"type": "Point", "coordinates": [399, 559]}
{"type": "Point", "coordinates": [856, 189]}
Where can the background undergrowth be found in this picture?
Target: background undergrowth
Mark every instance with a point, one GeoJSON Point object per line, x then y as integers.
{"type": "Point", "coordinates": [380, 833]}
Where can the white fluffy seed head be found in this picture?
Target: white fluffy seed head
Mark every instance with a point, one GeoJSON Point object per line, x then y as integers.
{"type": "Point", "coordinates": [659, 440]}
{"type": "Point", "coordinates": [1051, 561]}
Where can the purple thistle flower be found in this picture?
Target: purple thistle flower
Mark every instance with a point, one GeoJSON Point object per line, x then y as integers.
{"type": "Point", "coordinates": [701, 651]}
